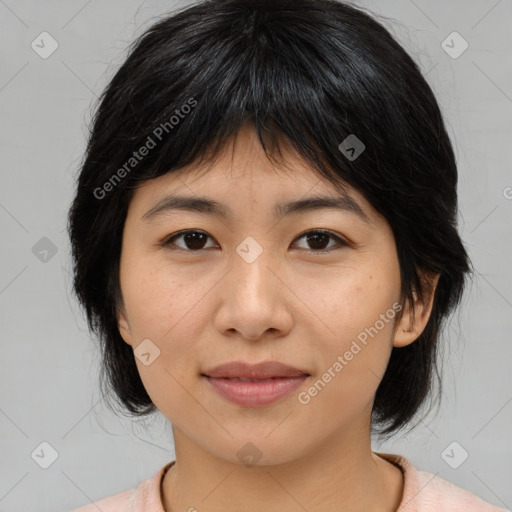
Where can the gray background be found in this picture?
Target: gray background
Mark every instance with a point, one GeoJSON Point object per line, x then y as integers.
{"type": "Point", "coordinates": [49, 364]}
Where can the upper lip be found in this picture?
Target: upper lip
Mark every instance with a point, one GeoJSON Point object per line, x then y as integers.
{"type": "Point", "coordinates": [264, 370]}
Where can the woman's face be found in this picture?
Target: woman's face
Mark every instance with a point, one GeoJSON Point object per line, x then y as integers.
{"type": "Point", "coordinates": [252, 287]}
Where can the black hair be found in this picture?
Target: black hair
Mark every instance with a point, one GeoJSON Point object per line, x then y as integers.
{"type": "Point", "coordinates": [311, 72]}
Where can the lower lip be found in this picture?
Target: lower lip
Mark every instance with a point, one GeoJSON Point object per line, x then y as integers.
{"type": "Point", "coordinates": [255, 393]}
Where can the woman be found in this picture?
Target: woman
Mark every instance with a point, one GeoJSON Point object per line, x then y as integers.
{"type": "Point", "coordinates": [264, 240]}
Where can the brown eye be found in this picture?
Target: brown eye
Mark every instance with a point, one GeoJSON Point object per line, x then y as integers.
{"type": "Point", "coordinates": [317, 239]}
{"type": "Point", "coordinates": [193, 240]}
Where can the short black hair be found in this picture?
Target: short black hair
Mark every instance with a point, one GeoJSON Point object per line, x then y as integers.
{"type": "Point", "coordinates": [311, 72]}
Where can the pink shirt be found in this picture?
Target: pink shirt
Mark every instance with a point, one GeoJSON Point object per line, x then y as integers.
{"type": "Point", "coordinates": [423, 492]}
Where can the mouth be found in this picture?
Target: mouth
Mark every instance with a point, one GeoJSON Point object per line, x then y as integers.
{"type": "Point", "coordinates": [260, 371]}
{"type": "Point", "coordinates": [254, 385]}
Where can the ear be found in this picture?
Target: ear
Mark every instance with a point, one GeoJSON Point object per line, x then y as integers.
{"type": "Point", "coordinates": [415, 317]}
{"type": "Point", "coordinates": [123, 325]}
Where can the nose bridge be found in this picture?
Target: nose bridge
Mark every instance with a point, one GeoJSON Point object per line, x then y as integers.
{"type": "Point", "coordinates": [250, 269]}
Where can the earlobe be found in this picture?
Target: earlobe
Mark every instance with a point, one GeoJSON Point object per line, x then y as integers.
{"type": "Point", "coordinates": [415, 318]}
{"type": "Point", "coordinates": [123, 326]}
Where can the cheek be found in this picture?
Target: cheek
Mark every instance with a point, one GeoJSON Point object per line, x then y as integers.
{"type": "Point", "coordinates": [157, 297]}
{"type": "Point", "coordinates": [355, 316]}
{"type": "Point", "coordinates": [160, 307]}
{"type": "Point", "coordinates": [353, 363]}
{"type": "Point", "coordinates": [345, 303]}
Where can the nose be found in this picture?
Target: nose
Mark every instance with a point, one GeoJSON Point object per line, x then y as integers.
{"type": "Point", "coordinates": [254, 299]}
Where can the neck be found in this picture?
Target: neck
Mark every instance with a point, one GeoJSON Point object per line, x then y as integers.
{"type": "Point", "coordinates": [349, 477]}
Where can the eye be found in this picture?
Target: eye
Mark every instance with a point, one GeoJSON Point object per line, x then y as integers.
{"type": "Point", "coordinates": [319, 237]}
{"type": "Point", "coordinates": [194, 240]}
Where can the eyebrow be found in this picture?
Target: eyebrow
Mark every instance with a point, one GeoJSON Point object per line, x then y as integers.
{"type": "Point", "coordinates": [211, 207]}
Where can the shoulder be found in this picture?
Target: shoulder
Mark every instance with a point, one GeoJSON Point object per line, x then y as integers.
{"type": "Point", "coordinates": [146, 496]}
{"type": "Point", "coordinates": [441, 492]}
{"type": "Point", "coordinates": [426, 492]}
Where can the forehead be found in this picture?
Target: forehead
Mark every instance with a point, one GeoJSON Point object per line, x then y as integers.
{"type": "Point", "coordinates": [242, 175]}
{"type": "Point", "coordinates": [243, 159]}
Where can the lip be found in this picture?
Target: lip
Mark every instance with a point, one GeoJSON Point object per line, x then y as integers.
{"type": "Point", "coordinates": [264, 370]}
{"type": "Point", "coordinates": [262, 384]}
{"type": "Point", "coordinates": [255, 393]}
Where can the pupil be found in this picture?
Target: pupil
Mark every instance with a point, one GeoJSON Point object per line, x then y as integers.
{"type": "Point", "coordinates": [315, 239]}
{"type": "Point", "coordinates": [194, 238]}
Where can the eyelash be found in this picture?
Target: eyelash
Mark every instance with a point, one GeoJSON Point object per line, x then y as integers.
{"type": "Point", "coordinates": [341, 243]}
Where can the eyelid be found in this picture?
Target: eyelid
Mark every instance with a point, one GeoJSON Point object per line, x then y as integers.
{"type": "Point", "coordinates": [340, 239]}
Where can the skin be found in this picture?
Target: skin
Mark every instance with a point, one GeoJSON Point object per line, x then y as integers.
{"type": "Point", "coordinates": [202, 305]}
